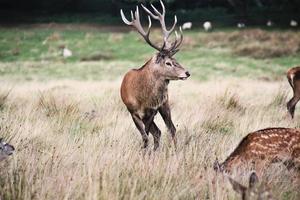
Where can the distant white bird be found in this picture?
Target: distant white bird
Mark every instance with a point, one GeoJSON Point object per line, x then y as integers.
{"type": "Point", "coordinates": [241, 25]}
{"type": "Point", "coordinates": [67, 53]}
{"type": "Point", "coordinates": [207, 26]}
{"type": "Point", "coordinates": [270, 23]}
{"type": "Point", "coordinates": [293, 23]}
{"type": "Point", "coordinates": [187, 25]}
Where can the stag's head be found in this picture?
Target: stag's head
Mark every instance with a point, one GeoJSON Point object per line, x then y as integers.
{"type": "Point", "coordinates": [5, 149]}
{"type": "Point", "coordinates": [164, 63]}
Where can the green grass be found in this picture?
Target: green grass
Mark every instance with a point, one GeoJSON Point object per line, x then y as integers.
{"type": "Point", "coordinates": [34, 54]}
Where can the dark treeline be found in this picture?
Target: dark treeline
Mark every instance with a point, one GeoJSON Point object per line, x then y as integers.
{"type": "Point", "coordinates": [110, 5]}
{"type": "Point", "coordinates": [242, 9]}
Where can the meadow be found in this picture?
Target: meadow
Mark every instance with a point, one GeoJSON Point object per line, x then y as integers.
{"type": "Point", "coordinates": [74, 138]}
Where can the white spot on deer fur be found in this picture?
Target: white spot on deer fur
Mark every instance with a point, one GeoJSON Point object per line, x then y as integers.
{"type": "Point", "coordinates": [272, 145]}
{"type": "Point", "coordinates": [265, 136]}
{"type": "Point", "coordinates": [286, 142]}
{"type": "Point", "coordinates": [273, 135]}
{"type": "Point", "coordinates": [256, 152]}
{"type": "Point", "coordinates": [285, 136]}
{"type": "Point", "coordinates": [262, 146]}
{"type": "Point", "coordinates": [294, 140]}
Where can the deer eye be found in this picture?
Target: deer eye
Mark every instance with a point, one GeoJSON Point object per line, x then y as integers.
{"type": "Point", "coordinates": [168, 63]}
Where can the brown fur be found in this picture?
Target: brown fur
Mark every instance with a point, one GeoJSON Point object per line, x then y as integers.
{"type": "Point", "coordinates": [144, 91]}
{"type": "Point", "coordinates": [264, 147]}
{"type": "Point", "coordinates": [293, 76]}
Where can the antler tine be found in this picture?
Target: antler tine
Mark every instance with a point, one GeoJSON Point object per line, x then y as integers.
{"type": "Point", "coordinates": [161, 17]}
{"type": "Point", "coordinates": [163, 8]}
{"type": "Point", "coordinates": [132, 17]}
{"type": "Point", "coordinates": [157, 12]}
{"type": "Point", "coordinates": [181, 38]}
{"type": "Point", "coordinates": [176, 44]}
{"type": "Point", "coordinates": [124, 18]}
{"type": "Point", "coordinates": [137, 24]}
{"type": "Point", "coordinates": [149, 12]}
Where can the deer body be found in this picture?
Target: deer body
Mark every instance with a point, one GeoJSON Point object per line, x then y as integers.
{"type": "Point", "coordinates": [144, 91]}
{"type": "Point", "coordinates": [264, 147]}
{"type": "Point", "coordinates": [293, 76]}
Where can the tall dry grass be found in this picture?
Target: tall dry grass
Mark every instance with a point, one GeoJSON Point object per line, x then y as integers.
{"type": "Point", "coordinates": [75, 140]}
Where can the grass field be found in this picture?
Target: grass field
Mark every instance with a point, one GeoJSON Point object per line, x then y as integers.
{"type": "Point", "coordinates": [75, 139]}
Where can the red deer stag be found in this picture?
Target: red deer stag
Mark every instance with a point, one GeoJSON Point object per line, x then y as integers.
{"type": "Point", "coordinates": [293, 76]}
{"type": "Point", "coordinates": [263, 147]}
{"type": "Point", "coordinates": [255, 190]}
{"type": "Point", "coordinates": [144, 91]}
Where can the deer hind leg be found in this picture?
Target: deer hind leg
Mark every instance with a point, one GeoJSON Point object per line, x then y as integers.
{"type": "Point", "coordinates": [291, 105]}
{"type": "Point", "coordinates": [165, 113]}
{"type": "Point", "coordinates": [156, 133]}
{"type": "Point", "coordinates": [151, 127]}
{"type": "Point", "coordinates": [141, 127]}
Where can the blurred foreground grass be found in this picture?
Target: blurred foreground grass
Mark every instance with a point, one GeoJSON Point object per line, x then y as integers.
{"type": "Point", "coordinates": [34, 54]}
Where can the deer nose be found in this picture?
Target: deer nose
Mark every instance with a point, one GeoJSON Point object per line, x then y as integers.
{"type": "Point", "coordinates": [187, 73]}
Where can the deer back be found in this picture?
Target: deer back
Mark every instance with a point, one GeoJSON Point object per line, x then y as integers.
{"type": "Point", "coordinates": [267, 145]}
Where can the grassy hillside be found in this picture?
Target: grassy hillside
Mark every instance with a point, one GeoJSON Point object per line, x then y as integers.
{"type": "Point", "coordinates": [33, 53]}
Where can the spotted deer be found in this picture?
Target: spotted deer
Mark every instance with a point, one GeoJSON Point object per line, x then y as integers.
{"type": "Point", "coordinates": [293, 76]}
{"type": "Point", "coordinates": [254, 191]}
{"type": "Point", "coordinates": [261, 148]}
{"type": "Point", "coordinates": [5, 149]}
{"type": "Point", "coordinates": [144, 91]}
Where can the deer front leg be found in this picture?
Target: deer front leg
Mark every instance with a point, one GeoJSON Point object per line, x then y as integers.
{"type": "Point", "coordinates": [141, 127]}
{"type": "Point", "coordinates": [165, 112]}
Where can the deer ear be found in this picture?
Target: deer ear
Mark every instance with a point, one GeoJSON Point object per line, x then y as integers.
{"type": "Point", "coordinates": [239, 188]}
{"type": "Point", "coordinates": [253, 180]}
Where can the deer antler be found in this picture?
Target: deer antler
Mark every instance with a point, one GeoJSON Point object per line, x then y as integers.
{"type": "Point", "coordinates": [168, 48]}
{"type": "Point", "coordinates": [137, 24]}
{"type": "Point", "coordinates": [166, 33]}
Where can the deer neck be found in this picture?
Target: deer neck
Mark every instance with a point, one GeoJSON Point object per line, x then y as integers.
{"type": "Point", "coordinates": [154, 86]}
{"type": "Point", "coordinates": [153, 78]}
